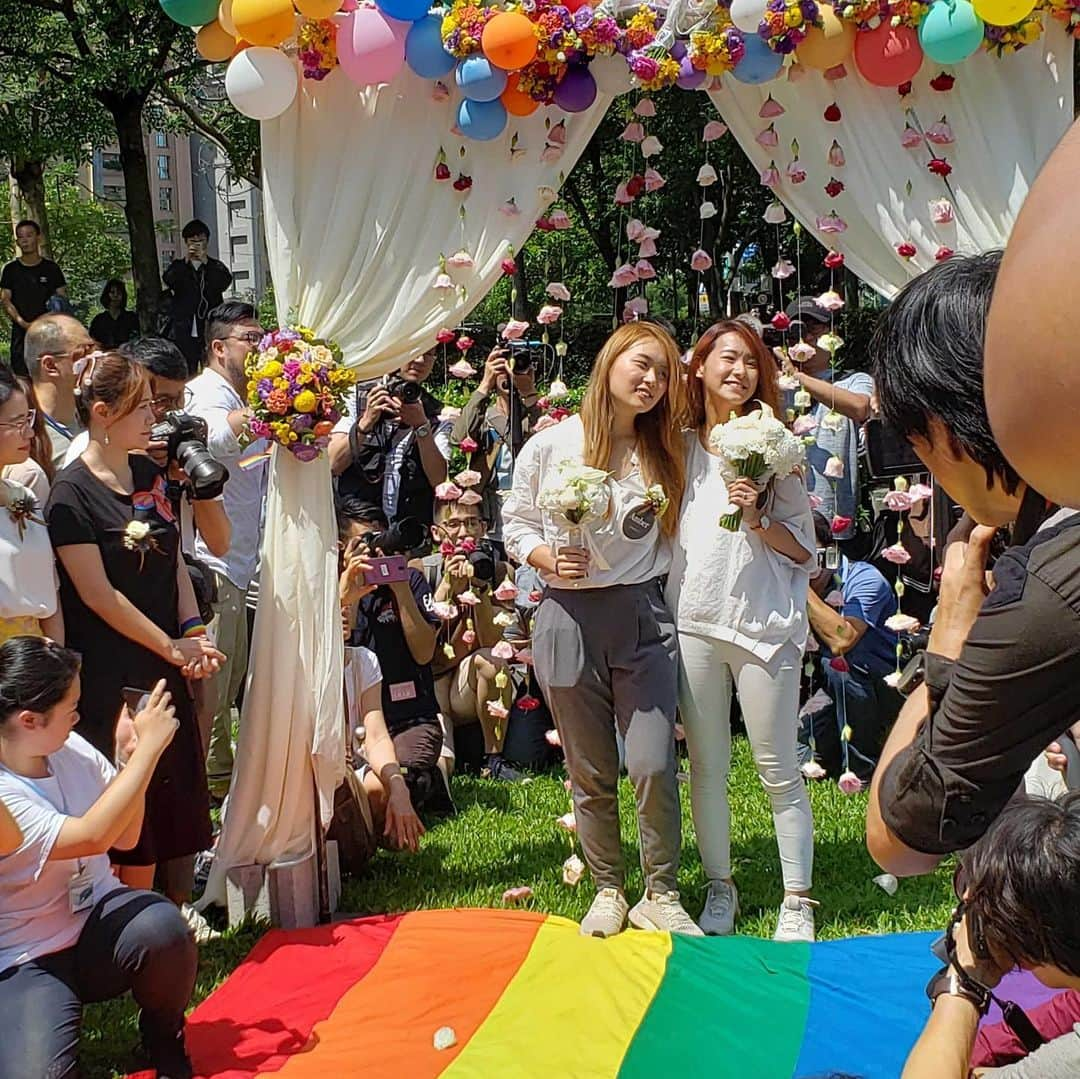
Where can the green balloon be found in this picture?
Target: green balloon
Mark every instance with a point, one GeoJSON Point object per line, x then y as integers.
{"type": "Point", "coordinates": [191, 12]}
{"type": "Point", "coordinates": [951, 31]}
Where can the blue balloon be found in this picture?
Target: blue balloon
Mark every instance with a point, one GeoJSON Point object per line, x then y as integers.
{"type": "Point", "coordinates": [481, 120]}
{"type": "Point", "coordinates": [951, 31]}
{"type": "Point", "coordinates": [404, 10]}
{"type": "Point", "coordinates": [424, 51]}
{"type": "Point", "coordinates": [479, 80]}
{"type": "Point", "coordinates": [759, 63]}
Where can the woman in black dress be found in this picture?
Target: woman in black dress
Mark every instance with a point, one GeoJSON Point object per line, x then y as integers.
{"type": "Point", "coordinates": [129, 605]}
{"type": "Point", "coordinates": [116, 325]}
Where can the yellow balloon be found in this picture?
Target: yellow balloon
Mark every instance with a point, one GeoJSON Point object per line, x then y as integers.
{"type": "Point", "coordinates": [1003, 12]}
{"type": "Point", "coordinates": [263, 22]}
{"type": "Point", "coordinates": [224, 17]}
{"type": "Point", "coordinates": [214, 43]}
{"type": "Point", "coordinates": [318, 9]}
{"type": "Point", "coordinates": [830, 45]}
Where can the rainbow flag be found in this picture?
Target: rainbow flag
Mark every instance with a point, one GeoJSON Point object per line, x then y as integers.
{"type": "Point", "coordinates": [525, 995]}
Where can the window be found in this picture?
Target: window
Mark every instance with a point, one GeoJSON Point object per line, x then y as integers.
{"type": "Point", "coordinates": [237, 242]}
{"type": "Point", "coordinates": [111, 162]}
{"type": "Point", "coordinates": [165, 198]}
{"type": "Point", "coordinates": [166, 258]}
{"type": "Point", "coordinates": [163, 166]}
{"type": "Point", "coordinates": [240, 275]}
{"type": "Point", "coordinates": [113, 192]}
{"type": "Point", "coordinates": [236, 206]}
{"type": "Point", "coordinates": [161, 140]}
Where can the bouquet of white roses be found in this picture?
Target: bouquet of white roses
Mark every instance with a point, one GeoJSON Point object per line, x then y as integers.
{"type": "Point", "coordinates": [575, 497]}
{"type": "Point", "coordinates": [756, 447]}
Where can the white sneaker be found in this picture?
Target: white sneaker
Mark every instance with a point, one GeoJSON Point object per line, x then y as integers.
{"type": "Point", "coordinates": [796, 921]}
{"type": "Point", "coordinates": [607, 915]}
{"type": "Point", "coordinates": [663, 911]}
{"type": "Point", "coordinates": [200, 928]}
{"type": "Point", "coordinates": [721, 905]}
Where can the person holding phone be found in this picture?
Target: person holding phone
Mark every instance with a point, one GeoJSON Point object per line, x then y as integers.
{"type": "Point", "coordinates": [71, 933]}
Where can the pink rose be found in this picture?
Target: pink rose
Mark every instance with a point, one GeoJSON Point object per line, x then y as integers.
{"type": "Point", "coordinates": [834, 469]}
{"type": "Point", "coordinates": [849, 783]}
{"type": "Point", "coordinates": [896, 554]}
{"type": "Point", "coordinates": [898, 501]}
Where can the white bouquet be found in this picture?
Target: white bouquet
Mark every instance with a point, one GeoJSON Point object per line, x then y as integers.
{"type": "Point", "coordinates": [577, 496]}
{"type": "Point", "coordinates": [756, 447]}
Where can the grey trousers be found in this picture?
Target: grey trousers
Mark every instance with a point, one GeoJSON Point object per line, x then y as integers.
{"type": "Point", "coordinates": [607, 657]}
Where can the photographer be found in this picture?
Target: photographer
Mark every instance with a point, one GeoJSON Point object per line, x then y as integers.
{"type": "Point", "coordinates": [390, 448]}
{"type": "Point", "coordinates": [499, 427]}
{"type": "Point", "coordinates": [1001, 669]}
{"type": "Point", "coordinates": [198, 283]}
{"type": "Point", "coordinates": [397, 622]}
{"type": "Point", "coordinates": [859, 697]}
{"type": "Point", "coordinates": [218, 397]}
{"type": "Point", "coordinates": [1018, 893]}
{"type": "Point", "coordinates": [468, 682]}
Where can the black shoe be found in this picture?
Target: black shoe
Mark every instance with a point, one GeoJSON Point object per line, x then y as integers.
{"type": "Point", "coordinates": [167, 1054]}
{"type": "Point", "coordinates": [498, 768]}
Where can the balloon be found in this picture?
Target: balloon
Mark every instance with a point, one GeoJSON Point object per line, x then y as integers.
{"type": "Point", "coordinates": [888, 55]}
{"type": "Point", "coordinates": [759, 63]}
{"type": "Point", "coordinates": [573, 5]}
{"type": "Point", "coordinates": [261, 82]}
{"type": "Point", "coordinates": [224, 16]}
{"type": "Point", "coordinates": [481, 120]}
{"type": "Point", "coordinates": [951, 31]}
{"type": "Point", "coordinates": [369, 50]}
{"type": "Point", "coordinates": [190, 12]}
{"type": "Point", "coordinates": [509, 40]}
{"type": "Point", "coordinates": [1004, 12]}
{"type": "Point", "coordinates": [577, 91]}
{"type": "Point", "coordinates": [263, 22]}
{"type": "Point", "coordinates": [830, 45]}
{"type": "Point", "coordinates": [478, 80]}
{"type": "Point", "coordinates": [424, 51]}
{"type": "Point", "coordinates": [612, 75]}
{"type": "Point", "coordinates": [746, 14]}
{"type": "Point", "coordinates": [515, 101]}
{"type": "Point", "coordinates": [317, 9]}
{"type": "Point", "coordinates": [689, 76]}
{"type": "Point", "coordinates": [406, 10]}
{"type": "Point", "coordinates": [214, 43]}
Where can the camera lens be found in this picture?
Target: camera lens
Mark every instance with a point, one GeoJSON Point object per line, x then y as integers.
{"type": "Point", "coordinates": [407, 392]}
{"type": "Point", "coordinates": [402, 536]}
{"type": "Point", "coordinates": [208, 477]}
{"type": "Point", "coordinates": [482, 561]}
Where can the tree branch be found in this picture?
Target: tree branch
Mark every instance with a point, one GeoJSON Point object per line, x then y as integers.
{"type": "Point", "coordinates": [187, 69]}
{"type": "Point", "coordinates": [67, 8]}
{"type": "Point", "coordinates": [209, 130]}
{"type": "Point", "coordinates": [601, 238]}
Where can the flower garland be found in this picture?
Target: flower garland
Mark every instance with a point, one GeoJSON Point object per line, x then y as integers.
{"type": "Point", "coordinates": [716, 51]}
{"type": "Point", "coordinates": [463, 25]}
{"type": "Point", "coordinates": [1004, 40]}
{"type": "Point", "coordinates": [316, 43]}
{"type": "Point", "coordinates": [786, 23]}
{"type": "Point", "coordinates": [1066, 12]}
{"type": "Point", "coordinates": [654, 72]}
{"type": "Point", "coordinates": [641, 29]}
{"type": "Point", "coordinates": [866, 14]}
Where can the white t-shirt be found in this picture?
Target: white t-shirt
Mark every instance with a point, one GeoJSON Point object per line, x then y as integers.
{"type": "Point", "coordinates": [35, 912]}
{"type": "Point", "coordinates": [77, 448]}
{"type": "Point", "coordinates": [732, 586]}
{"type": "Point", "coordinates": [631, 559]}
{"type": "Point", "coordinates": [27, 571]}
{"type": "Point", "coordinates": [362, 671]}
{"type": "Point", "coordinates": [32, 476]}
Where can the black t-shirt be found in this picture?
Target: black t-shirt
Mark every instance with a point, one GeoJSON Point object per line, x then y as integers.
{"type": "Point", "coordinates": [408, 687]}
{"type": "Point", "coordinates": [31, 286]}
{"type": "Point", "coordinates": [111, 332]}
{"type": "Point", "coordinates": [1012, 691]}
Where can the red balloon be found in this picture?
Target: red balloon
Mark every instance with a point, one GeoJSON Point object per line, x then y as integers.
{"type": "Point", "coordinates": [888, 55]}
{"type": "Point", "coordinates": [573, 5]}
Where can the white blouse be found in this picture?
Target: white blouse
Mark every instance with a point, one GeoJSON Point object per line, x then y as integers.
{"type": "Point", "coordinates": [732, 586]}
{"type": "Point", "coordinates": [27, 570]}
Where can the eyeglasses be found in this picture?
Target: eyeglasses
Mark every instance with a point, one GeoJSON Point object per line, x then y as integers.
{"type": "Point", "coordinates": [252, 337]}
{"type": "Point", "coordinates": [23, 423]}
{"type": "Point", "coordinates": [469, 524]}
{"type": "Point", "coordinates": [78, 352]}
{"type": "Point", "coordinates": [171, 402]}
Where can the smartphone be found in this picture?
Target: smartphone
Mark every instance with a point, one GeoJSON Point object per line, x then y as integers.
{"type": "Point", "coordinates": [135, 699]}
{"type": "Point", "coordinates": [386, 569]}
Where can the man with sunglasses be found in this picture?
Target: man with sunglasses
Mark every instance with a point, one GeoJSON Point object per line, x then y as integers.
{"type": "Point", "coordinates": [53, 345]}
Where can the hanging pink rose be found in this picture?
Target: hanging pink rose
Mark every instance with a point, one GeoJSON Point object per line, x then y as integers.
{"type": "Point", "coordinates": [461, 369]}
{"type": "Point", "coordinates": [714, 129]}
{"type": "Point", "coordinates": [940, 134]}
{"type": "Point", "coordinates": [440, 91]}
{"type": "Point", "coordinates": [645, 271]}
{"type": "Point", "coordinates": [557, 134]}
{"type": "Point", "coordinates": [647, 249]}
{"type": "Point", "coordinates": [707, 210]}
{"type": "Point", "coordinates": [804, 425]}
{"type": "Point", "coordinates": [625, 275]}
{"type": "Point", "coordinates": [902, 623]}
{"type": "Point", "coordinates": [780, 321]}
{"type": "Point", "coordinates": [506, 591]}
{"type": "Point", "coordinates": [834, 470]}
{"type": "Point", "coordinates": [548, 314]}
{"type": "Point", "coordinates": [514, 329]}
{"type": "Point", "coordinates": [468, 477]}
{"type": "Point", "coordinates": [635, 307]}
{"type": "Point", "coordinates": [623, 196]}
{"type": "Point", "coordinates": [831, 301]}
{"type": "Point", "coordinates": [775, 214]}
{"type": "Point", "coordinates": [800, 352]}
{"type": "Point", "coordinates": [448, 492]}
{"type": "Point", "coordinates": [768, 138]}
{"type": "Point", "coordinates": [896, 554]}
{"type": "Point", "coordinates": [898, 501]}
{"type": "Point", "coordinates": [460, 260]}
{"type": "Point", "coordinates": [700, 260]}
{"type": "Point", "coordinates": [469, 598]}
{"type": "Point", "coordinates": [816, 502]}
{"type": "Point", "coordinates": [783, 269]}
{"type": "Point", "coordinates": [558, 291]}
{"type": "Point", "coordinates": [552, 737]}
{"type": "Point", "coordinates": [849, 783]}
{"type": "Point", "coordinates": [445, 611]}
{"type": "Point", "coordinates": [941, 210]}
{"type": "Point", "coordinates": [635, 230]}
{"type": "Point", "coordinates": [834, 260]}
{"type": "Point", "coordinates": [651, 146]}
{"type": "Point", "coordinates": [645, 107]}
{"type": "Point", "coordinates": [510, 208]}
{"type": "Point", "coordinates": [508, 267]}
{"type": "Point", "coordinates": [560, 220]}
{"type": "Point", "coordinates": [796, 174]}
{"type": "Point", "coordinates": [907, 250]}
{"type": "Point", "coordinates": [443, 282]}
{"type": "Point", "coordinates": [910, 139]}
{"type": "Point", "coordinates": [836, 156]}
{"type": "Point", "coordinates": [811, 769]}
{"type": "Point", "coordinates": [918, 492]}
{"type": "Point", "coordinates": [943, 253]}
{"type": "Point", "coordinates": [653, 180]}
{"type": "Point", "coordinates": [770, 177]}
{"type": "Point", "coordinates": [497, 710]}
{"type": "Point", "coordinates": [550, 154]}
{"type": "Point", "coordinates": [464, 343]}
{"type": "Point", "coordinates": [771, 109]}
{"type": "Point", "coordinates": [831, 224]}
{"type": "Point", "coordinates": [633, 132]}
{"type": "Point", "coordinates": [468, 445]}
{"type": "Point", "coordinates": [503, 650]}
{"type": "Point", "coordinates": [445, 336]}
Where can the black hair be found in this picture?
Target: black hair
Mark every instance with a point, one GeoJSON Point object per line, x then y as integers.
{"type": "Point", "coordinates": [927, 359]}
{"type": "Point", "coordinates": [1021, 883]}
{"type": "Point", "coordinates": [194, 228]}
{"type": "Point", "coordinates": [158, 355]}
{"type": "Point", "coordinates": [226, 315]}
{"type": "Point", "coordinates": [353, 510]}
{"type": "Point", "coordinates": [9, 384]}
{"type": "Point", "coordinates": [109, 285]}
{"type": "Point", "coordinates": [27, 223]}
{"type": "Point", "coordinates": [35, 674]}
{"type": "Point", "coordinates": [822, 530]}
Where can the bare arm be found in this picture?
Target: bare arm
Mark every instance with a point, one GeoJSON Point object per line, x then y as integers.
{"type": "Point", "coordinates": [431, 458]}
{"type": "Point", "coordinates": [837, 631]}
{"type": "Point", "coordinates": [855, 406]}
{"type": "Point", "coordinates": [339, 452]}
{"type": "Point", "coordinates": [420, 634]}
{"type": "Point", "coordinates": [53, 626]}
{"type": "Point", "coordinates": [11, 836]}
{"type": "Point", "coordinates": [944, 1047]}
{"type": "Point", "coordinates": [11, 309]}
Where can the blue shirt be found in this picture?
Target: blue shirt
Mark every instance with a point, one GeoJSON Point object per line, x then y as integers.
{"type": "Point", "coordinates": [870, 598]}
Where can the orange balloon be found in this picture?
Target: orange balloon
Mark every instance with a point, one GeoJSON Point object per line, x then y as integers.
{"type": "Point", "coordinates": [509, 40]}
{"type": "Point", "coordinates": [263, 22]}
{"type": "Point", "coordinates": [515, 101]}
{"type": "Point", "coordinates": [317, 9]}
{"type": "Point", "coordinates": [831, 44]}
{"type": "Point", "coordinates": [215, 43]}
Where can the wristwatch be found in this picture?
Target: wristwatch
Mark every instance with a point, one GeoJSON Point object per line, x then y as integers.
{"type": "Point", "coordinates": [763, 525]}
{"type": "Point", "coordinates": [948, 981]}
{"type": "Point", "coordinates": [423, 430]}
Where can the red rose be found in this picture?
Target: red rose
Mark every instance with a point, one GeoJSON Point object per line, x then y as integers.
{"type": "Point", "coordinates": [528, 703]}
{"type": "Point", "coordinates": [468, 445]}
{"type": "Point", "coordinates": [780, 321]}
{"type": "Point", "coordinates": [904, 89]}
{"type": "Point", "coordinates": [838, 663]}
{"type": "Point", "coordinates": [939, 167]}
{"type": "Point", "coordinates": [840, 525]}
{"type": "Point", "coordinates": [943, 253]}
{"type": "Point", "coordinates": [943, 82]}
{"type": "Point", "coordinates": [635, 185]}
{"type": "Point", "coordinates": [447, 549]}
{"type": "Point", "coordinates": [833, 188]}
{"type": "Point", "coordinates": [544, 224]}
{"type": "Point", "coordinates": [465, 343]}
{"type": "Point", "coordinates": [834, 260]}
{"type": "Point", "coordinates": [833, 113]}
{"type": "Point", "coordinates": [442, 172]}
{"type": "Point", "coordinates": [445, 336]}
{"type": "Point", "coordinates": [463, 182]}
{"type": "Point", "coordinates": [468, 545]}
{"type": "Point", "coordinates": [906, 250]}
{"type": "Point", "coordinates": [508, 267]}
{"type": "Point", "coordinates": [535, 596]}
{"type": "Point", "coordinates": [543, 403]}
{"type": "Point", "coordinates": [559, 414]}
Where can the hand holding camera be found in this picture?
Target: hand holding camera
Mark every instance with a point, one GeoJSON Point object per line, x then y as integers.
{"type": "Point", "coordinates": [379, 404]}
{"type": "Point", "coordinates": [495, 366]}
{"type": "Point", "coordinates": [180, 440]}
{"type": "Point", "coordinates": [354, 585]}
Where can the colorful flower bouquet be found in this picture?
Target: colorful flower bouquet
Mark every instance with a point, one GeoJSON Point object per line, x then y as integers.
{"type": "Point", "coordinates": [786, 23]}
{"type": "Point", "coordinates": [716, 51]}
{"type": "Point", "coordinates": [297, 388]}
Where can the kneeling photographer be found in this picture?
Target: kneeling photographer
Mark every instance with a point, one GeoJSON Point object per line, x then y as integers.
{"type": "Point", "coordinates": [472, 679]}
{"type": "Point", "coordinates": [390, 449]}
{"type": "Point", "coordinates": [1002, 665]}
{"type": "Point", "coordinates": [396, 620]}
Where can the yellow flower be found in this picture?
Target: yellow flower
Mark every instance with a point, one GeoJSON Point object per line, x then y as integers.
{"type": "Point", "coordinates": [271, 368]}
{"type": "Point", "coordinates": [305, 401]}
{"type": "Point", "coordinates": [281, 384]}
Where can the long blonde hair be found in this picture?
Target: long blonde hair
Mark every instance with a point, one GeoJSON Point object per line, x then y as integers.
{"type": "Point", "coordinates": [659, 439]}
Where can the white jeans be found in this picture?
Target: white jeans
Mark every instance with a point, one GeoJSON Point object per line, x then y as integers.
{"type": "Point", "coordinates": [769, 696]}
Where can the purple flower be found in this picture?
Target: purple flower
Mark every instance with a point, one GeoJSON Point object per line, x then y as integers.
{"type": "Point", "coordinates": [582, 18]}
{"type": "Point", "coordinates": [266, 342]}
{"type": "Point", "coordinates": [302, 451]}
{"type": "Point", "coordinates": [264, 387]}
{"type": "Point", "coordinates": [292, 369]}
{"type": "Point", "coordinates": [644, 67]}
{"type": "Point", "coordinates": [301, 423]}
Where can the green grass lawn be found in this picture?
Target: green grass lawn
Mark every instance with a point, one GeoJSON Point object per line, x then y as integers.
{"type": "Point", "coordinates": [505, 835]}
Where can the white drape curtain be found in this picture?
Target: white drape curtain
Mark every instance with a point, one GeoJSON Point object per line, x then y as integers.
{"type": "Point", "coordinates": [355, 222]}
{"type": "Point", "coordinates": [1006, 114]}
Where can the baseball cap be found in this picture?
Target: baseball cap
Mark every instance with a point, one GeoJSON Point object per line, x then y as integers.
{"type": "Point", "coordinates": [806, 308]}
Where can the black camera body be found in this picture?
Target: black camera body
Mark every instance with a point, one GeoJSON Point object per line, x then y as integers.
{"type": "Point", "coordinates": [522, 358]}
{"type": "Point", "coordinates": [408, 393]}
{"type": "Point", "coordinates": [185, 438]}
{"type": "Point", "coordinates": [483, 561]}
{"type": "Point", "coordinates": [400, 538]}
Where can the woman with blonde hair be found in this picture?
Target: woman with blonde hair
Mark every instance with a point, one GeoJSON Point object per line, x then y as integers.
{"type": "Point", "coordinates": [603, 643]}
{"type": "Point", "coordinates": [739, 602]}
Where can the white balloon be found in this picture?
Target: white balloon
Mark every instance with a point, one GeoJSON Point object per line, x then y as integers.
{"type": "Point", "coordinates": [746, 14]}
{"type": "Point", "coordinates": [612, 75]}
{"type": "Point", "coordinates": [261, 82]}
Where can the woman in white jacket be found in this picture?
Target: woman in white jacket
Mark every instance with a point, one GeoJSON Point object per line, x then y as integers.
{"type": "Point", "coordinates": [739, 603]}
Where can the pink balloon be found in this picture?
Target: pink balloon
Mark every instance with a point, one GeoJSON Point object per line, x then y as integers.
{"type": "Point", "coordinates": [369, 50]}
{"type": "Point", "coordinates": [401, 29]}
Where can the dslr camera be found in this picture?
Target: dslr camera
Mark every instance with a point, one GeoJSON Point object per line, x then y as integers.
{"type": "Point", "coordinates": [482, 559]}
{"type": "Point", "coordinates": [521, 357]}
{"type": "Point", "coordinates": [408, 393]}
{"type": "Point", "coordinates": [185, 440]}
{"type": "Point", "coordinates": [388, 550]}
